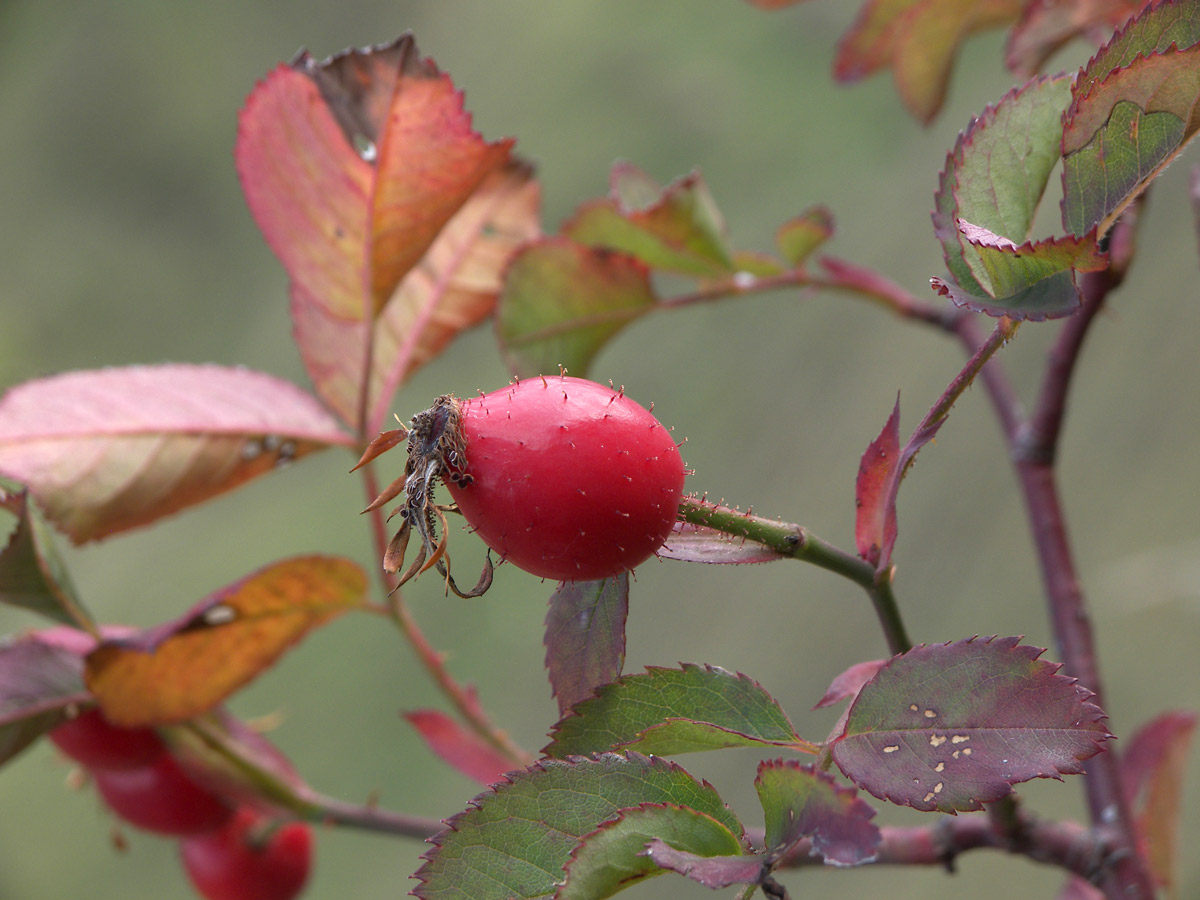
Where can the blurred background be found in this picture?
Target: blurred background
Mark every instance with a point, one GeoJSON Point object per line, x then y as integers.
{"type": "Point", "coordinates": [124, 239]}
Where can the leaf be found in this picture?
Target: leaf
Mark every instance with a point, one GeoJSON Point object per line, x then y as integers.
{"type": "Point", "coordinates": [918, 39]}
{"type": "Point", "coordinates": [562, 301]}
{"type": "Point", "coordinates": [187, 666]}
{"type": "Point", "coordinates": [874, 492]}
{"type": "Point", "coordinates": [32, 574]}
{"type": "Point", "coordinates": [667, 711]}
{"type": "Point", "coordinates": [952, 726]}
{"type": "Point", "coordinates": [585, 637]}
{"type": "Point", "coordinates": [514, 840]}
{"type": "Point", "coordinates": [798, 238]}
{"type": "Point", "coordinates": [798, 802]}
{"type": "Point", "coordinates": [1045, 27]}
{"type": "Point", "coordinates": [985, 205]}
{"type": "Point", "coordinates": [1120, 132]}
{"type": "Point", "coordinates": [850, 682]}
{"type": "Point", "coordinates": [700, 544]}
{"type": "Point", "coordinates": [352, 165]}
{"type": "Point", "coordinates": [677, 228]}
{"type": "Point", "coordinates": [113, 449]}
{"type": "Point", "coordinates": [454, 287]}
{"type": "Point", "coordinates": [613, 857]}
{"type": "Point", "coordinates": [462, 749]}
{"type": "Point", "coordinates": [39, 680]}
{"type": "Point", "coordinates": [1153, 767]}
{"type": "Point", "coordinates": [712, 871]}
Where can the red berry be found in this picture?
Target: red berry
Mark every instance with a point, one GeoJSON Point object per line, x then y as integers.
{"type": "Point", "coordinates": [234, 863]}
{"type": "Point", "coordinates": [93, 741]}
{"type": "Point", "coordinates": [162, 797]}
{"type": "Point", "coordinates": [562, 477]}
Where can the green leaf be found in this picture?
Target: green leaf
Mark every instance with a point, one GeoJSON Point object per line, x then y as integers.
{"type": "Point", "coordinates": [613, 856]}
{"type": "Point", "coordinates": [1123, 131]}
{"type": "Point", "coordinates": [514, 840]}
{"type": "Point", "coordinates": [952, 726]}
{"type": "Point", "coordinates": [666, 711]}
{"type": "Point", "coordinates": [562, 301]}
{"type": "Point", "coordinates": [798, 802]}
{"type": "Point", "coordinates": [32, 574]}
{"type": "Point", "coordinates": [985, 205]}
{"type": "Point", "coordinates": [799, 237]}
{"type": "Point", "coordinates": [677, 228]}
{"type": "Point", "coordinates": [585, 636]}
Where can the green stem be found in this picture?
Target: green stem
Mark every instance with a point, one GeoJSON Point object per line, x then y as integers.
{"type": "Point", "coordinates": [796, 542]}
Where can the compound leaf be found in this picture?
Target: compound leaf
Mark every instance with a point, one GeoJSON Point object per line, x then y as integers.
{"type": "Point", "coordinates": [514, 840]}
{"type": "Point", "coordinates": [677, 228]}
{"type": "Point", "coordinates": [187, 666]}
{"type": "Point", "coordinates": [32, 574]}
{"type": "Point", "coordinates": [585, 637]}
{"type": "Point", "coordinates": [798, 802]}
{"type": "Point", "coordinates": [113, 449]}
{"type": "Point", "coordinates": [39, 680]}
{"type": "Point", "coordinates": [952, 726]}
{"type": "Point", "coordinates": [666, 711]}
{"type": "Point", "coordinates": [562, 301]}
{"type": "Point", "coordinates": [613, 856]}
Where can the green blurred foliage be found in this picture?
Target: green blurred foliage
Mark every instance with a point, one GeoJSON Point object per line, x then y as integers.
{"type": "Point", "coordinates": [124, 239]}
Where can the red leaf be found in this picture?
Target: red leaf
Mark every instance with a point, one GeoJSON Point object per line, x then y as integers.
{"type": "Point", "coordinates": [112, 449]}
{"type": "Point", "coordinates": [799, 801]}
{"type": "Point", "coordinates": [850, 682]}
{"type": "Point", "coordinates": [950, 727]}
{"type": "Point", "coordinates": [875, 495]}
{"type": "Point", "coordinates": [585, 637]}
{"type": "Point", "coordinates": [458, 747]}
{"type": "Point", "coordinates": [1153, 766]}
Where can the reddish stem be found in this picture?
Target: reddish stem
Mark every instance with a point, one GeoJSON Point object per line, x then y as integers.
{"type": "Point", "coordinates": [462, 698]}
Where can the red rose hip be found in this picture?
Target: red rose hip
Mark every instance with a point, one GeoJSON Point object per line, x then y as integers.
{"type": "Point", "coordinates": [235, 863]}
{"type": "Point", "coordinates": [94, 742]}
{"type": "Point", "coordinates": [161, 797]}
{"type": "Point", "coordinates": [568, 479]}
{"type": "Point", "coordinates": [563, 477]}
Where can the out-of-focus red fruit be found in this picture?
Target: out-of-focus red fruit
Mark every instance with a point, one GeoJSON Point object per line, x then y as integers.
{"type": "Point", "coordinates": [92, 741]}
{"type": "Point", "coordinates": [162, 797]}
{"type": "Point", "coordinates": [236, 862]}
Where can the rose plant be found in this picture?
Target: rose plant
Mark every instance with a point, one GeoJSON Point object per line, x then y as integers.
{"type": "Point", "coordinates": [400, 227]}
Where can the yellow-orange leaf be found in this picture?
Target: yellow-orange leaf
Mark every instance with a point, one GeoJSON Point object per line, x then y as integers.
{"type": "Point", "coordinates": [185, 667]}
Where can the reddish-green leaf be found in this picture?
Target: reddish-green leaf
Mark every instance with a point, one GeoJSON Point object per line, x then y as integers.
{"type": "Point", "coordinates": [698, 543]}
{"type": "Point", "coordinates": [562, 301]}
{"type": "Point", "coordinates": [462, 749]}
{"type": "Point", "coordinates": [32, 574]}
{"type": "Point", "coordinates": [352, 165]}
{"type": "Point", "coordinates": [668, 711]}
{"type": "Point", "coordinates": [1153, 766]}
{"type": "Point", "coordinates": [985, 205]}
{"type": "Point", "coordinates": [613, 856]}
{"type": "Point", "coordinates": [1045, 27]}
{"type": "Point", "coordinates": [953, 726]}
{"type": "Point", "coordinates": [710, 871]}
{"type": "Point", "coordinates": [1122, 130]}
{"type": "Point", "coordinates": [454, 287]}
{"type": "Point", "coordinates": [585, 637]}
{"type": "Point", "coordinates": [799, 237]}
{"type": "Point", "coordinates": [113, 449]}
{"type": "Point", "coordinates": [39, 679]}
{"type": "Point", "coordinates": [848, 683]}
{"type": "Point", "coordinates": [187, 666]}
{"type": "Point", "coordinates": [918, 39]}
{"type": "Point", "coordinates": [514, 840]}
{"type": "Point", "coordinates": [677, 228]}
{"type": "Point", "coordinates": [798, 802]}
{"type": "Point", "coordinates": [874, 494]}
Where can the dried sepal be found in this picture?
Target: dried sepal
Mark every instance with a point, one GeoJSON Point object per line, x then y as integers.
{"type": "Point", "coordinates": [436, 451]}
